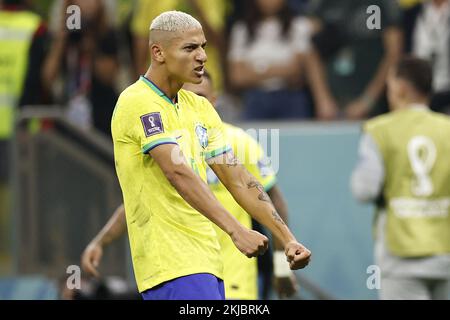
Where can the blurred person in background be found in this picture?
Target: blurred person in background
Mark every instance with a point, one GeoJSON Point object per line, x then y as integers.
{"type": "Point", "coordinates": [270, 59]}
{"type": "Point", "coordinates": [240, 273]}
{"type": "Point", "coordinates": [431, 40]}
{"type": "Point", "coordinates": [404, 167]}
{"type": "Point", "coordinates": [356, 58]}
{"type": "Point", "coordinates": [410, 10]}
{"type": "Point", "coordinates": [143, 12]}
{"type": "Point", "coordinates": [20, 38]}
{"type": "Point", "coordinates": [86, 62]}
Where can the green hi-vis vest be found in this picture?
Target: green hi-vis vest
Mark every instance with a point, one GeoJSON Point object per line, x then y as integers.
{"type": "Point", "coordinates": [415, 147]}
{"type": "Point", "coordinates": [16, 32]}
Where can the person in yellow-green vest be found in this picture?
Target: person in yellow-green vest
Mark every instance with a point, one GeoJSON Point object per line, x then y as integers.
{"type": "Point", "coordinates": [17, 29]}
{"type": "Point", "coordinates": [404, 166]}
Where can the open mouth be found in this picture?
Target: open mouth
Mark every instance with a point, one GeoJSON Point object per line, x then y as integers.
{"type": "Point", "coordinates": [200, 70]}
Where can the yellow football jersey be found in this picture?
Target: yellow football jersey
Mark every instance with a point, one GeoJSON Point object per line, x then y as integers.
{"type": "Point", "coordinates": [240, 273]}
{"type": "Point", "coordinates": [168, 238]}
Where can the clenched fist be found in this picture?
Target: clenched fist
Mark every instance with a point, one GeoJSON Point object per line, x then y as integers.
{"type": "Point", "coordinates": [250, 242]}
{"type": "Point", "coordinates": [297, 255]}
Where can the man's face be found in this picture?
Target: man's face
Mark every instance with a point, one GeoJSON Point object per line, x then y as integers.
{"type": "Point", "coordinates": [185, 57]}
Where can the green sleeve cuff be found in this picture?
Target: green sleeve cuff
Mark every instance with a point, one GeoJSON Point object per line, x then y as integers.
{"type": "Point", "coordinates": [217, 152]}
{"type": "Point", "coordinates": [149, 146]}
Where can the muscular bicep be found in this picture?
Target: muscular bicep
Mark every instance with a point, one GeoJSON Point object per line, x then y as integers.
{"type": "Point", "coordinates": [169, 157]}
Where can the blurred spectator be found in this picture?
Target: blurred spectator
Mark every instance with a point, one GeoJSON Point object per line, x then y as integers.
{"type": "Point", "coordinates": [410, 11]}
{"type": "Point", "coordinates": [356, 57]}
{"type": "Point", "coordinates": [431, 40]}
{"type": "Point", "coordinates": [20, 30]}
{"type": "Point", "coordinates": [87, 61]}
{"type": "Point", "coordinates": [268, 55]}
{"type": "Point", "coordinates": [143, 13]}
{"type": "Point", "coordinates": [211, 15]}
{"type": "Point", "coordinates": [404, 167]}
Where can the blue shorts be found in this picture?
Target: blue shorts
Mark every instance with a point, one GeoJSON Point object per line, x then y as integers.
{"type": "Point", "coordinates": [200, 286]}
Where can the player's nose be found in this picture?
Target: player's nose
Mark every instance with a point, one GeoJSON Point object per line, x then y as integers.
{"type": "Point", "coordinates": [201, 56]}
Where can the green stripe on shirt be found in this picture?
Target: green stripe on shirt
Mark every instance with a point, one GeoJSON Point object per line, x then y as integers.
{"type": "Point", "coordinates": [151, 145]}
{"type": "Point", "coordinates": [217, 152]}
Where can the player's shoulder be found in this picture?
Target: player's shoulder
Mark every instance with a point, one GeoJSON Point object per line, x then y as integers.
{"type": "Point", "coordinates": [240, 137]}
{"type": "Point", "coordinates": [193, 99]}
{"type": "Point", "coordinates": [232, 130]}
{"type": "Point", "coordinates": [132, 94]}
{"type": "Point", "coordinates": [136, 98]}
{"type": "Point", "coordinates": [237, 132]}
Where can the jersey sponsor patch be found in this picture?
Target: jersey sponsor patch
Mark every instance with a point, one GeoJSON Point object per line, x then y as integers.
{"type": "Point", "coordinates": [152, 123]}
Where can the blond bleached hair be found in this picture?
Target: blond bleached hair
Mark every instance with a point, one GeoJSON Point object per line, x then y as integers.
{"type": "Point", "coordinates": [173, 21]}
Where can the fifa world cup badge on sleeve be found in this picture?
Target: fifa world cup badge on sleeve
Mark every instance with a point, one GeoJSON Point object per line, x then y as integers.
{"type": "Point", "coordinates": [152, 123]}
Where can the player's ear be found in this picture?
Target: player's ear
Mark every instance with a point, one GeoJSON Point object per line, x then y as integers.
{"type": "Point", "coordinates": [157, 52]}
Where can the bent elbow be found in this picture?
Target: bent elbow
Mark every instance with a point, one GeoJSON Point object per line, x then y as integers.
{"type": "Point", "coordinates": [176, 175]}
{"type": "Point", "coordinates": [173, 176]}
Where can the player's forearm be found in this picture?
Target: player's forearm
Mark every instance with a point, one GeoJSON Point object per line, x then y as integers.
{"type": "Point", "coordinates": [250, 195]}
{"type": "Point", "coordinates": [281, 207]}
{"type": "Point", "coordinates": [199, 196]}
{"type": "Point", "coordinates": [114, 228]}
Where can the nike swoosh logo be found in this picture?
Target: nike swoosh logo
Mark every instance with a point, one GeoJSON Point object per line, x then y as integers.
{"type": "Point", "coordinates": [178, 137]}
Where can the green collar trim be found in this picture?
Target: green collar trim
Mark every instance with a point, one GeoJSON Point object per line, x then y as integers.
{"type": "Point", "coordinates": [157, 90]}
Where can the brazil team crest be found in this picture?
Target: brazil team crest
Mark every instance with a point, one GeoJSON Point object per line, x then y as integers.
{"type": "Point", "coordinates": [202, 135]}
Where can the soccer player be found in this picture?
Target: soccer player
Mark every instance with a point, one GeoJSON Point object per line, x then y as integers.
{"type": "Point", "coordinates": [240, 273]}
{"type": "Point", "coordinates": [404, 164]}
{"type": "Point", "coordinates": [164, 138]}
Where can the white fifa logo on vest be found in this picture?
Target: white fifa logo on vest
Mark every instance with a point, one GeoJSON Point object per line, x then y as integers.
{"type": "Point", "coordinates": [73, 22]}
{"type": "Point", "coordinates": [422, 156]}
{"type": "Point", "coordinates": [374, 20]}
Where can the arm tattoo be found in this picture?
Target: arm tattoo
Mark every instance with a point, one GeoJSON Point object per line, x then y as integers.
{"type": "Point", "coordinates": [277, 217]}
{"type": "Point", "coordinates": [262, 195]}
{"type": "Point", "coordinates": [232, 161]}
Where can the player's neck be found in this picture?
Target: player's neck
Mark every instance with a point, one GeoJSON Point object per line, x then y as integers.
{"type": "Point", "coordinates": [168, 86]}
